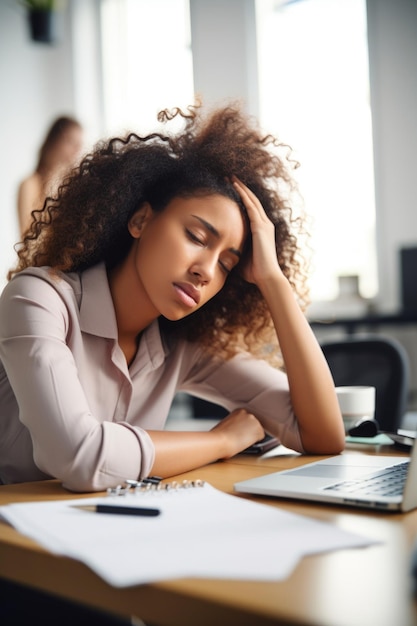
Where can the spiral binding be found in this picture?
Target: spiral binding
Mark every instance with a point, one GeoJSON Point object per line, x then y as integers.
{"type": "Point", "coordinates": [152, 484]}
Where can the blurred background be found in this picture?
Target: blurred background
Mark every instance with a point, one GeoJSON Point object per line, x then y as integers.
{"type": "Point", "coordinates": [335, 79]}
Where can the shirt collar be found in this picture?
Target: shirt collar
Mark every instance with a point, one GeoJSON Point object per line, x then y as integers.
{"type": "Point", "coordinates": [97, 316]}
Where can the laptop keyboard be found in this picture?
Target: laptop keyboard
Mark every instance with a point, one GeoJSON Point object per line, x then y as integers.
{"type": "Point", "coordinates": [387, 482]}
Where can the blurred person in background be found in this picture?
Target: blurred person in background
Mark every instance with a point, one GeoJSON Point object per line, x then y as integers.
{"type": "Point", "coordinates": [58, 153]}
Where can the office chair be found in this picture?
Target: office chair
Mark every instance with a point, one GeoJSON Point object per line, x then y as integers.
{"type": "Point", "coordinates": [373, 360]}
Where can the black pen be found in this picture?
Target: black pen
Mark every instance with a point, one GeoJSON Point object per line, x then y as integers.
{"type": "Point", "coordinates": [119, 510]}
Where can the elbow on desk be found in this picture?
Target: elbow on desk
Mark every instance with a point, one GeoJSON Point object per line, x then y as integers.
{"type": "Point", "coordinates": [85, 486]}
{"type": "Point", "coordinates": [325, 450]}
{"type": "Point", "coordinates": [325, 446]}
{"type": "Point", "coordinates": [80, 480]}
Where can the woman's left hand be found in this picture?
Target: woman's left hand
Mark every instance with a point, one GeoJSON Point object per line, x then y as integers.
{"type": "Point", "coordinates": [263, 263]}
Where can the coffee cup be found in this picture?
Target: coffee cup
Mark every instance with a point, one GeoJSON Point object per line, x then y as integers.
{"type": "Point", "coordinates": [357, 403]}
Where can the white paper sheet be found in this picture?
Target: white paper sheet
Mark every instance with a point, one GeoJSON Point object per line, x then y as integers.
{"type": "Point", "coordinates": [201, 532]}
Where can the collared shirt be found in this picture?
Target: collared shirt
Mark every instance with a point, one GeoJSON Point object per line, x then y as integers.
{"type": "Point", "coordinates": [72, 409]}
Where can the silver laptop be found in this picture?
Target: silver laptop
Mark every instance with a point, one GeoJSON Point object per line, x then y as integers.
{"type": "Point", "coordinates": [371, 481]}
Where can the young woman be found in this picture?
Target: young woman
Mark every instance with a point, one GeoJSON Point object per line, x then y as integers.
{"type": "Point", "coordinates": [59, 151]}
{"type": "Point", "coordinates": [167, 262]}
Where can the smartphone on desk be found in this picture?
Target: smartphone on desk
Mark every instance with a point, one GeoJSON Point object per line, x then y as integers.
{"type": "Point", "coordinates": [265, 444]}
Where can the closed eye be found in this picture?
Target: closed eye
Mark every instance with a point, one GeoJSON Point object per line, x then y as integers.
{"type": "Point", "coordinates": [224, 267]}
{"type": "Point", "coordinates": [200, 241]}
{"type": "Point", "coordinates": [194, 237]}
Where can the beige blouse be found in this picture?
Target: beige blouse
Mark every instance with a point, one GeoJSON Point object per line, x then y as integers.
{"type": "Point", "coordinates": [70, 408]}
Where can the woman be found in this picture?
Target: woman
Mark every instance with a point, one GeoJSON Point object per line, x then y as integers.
{"type": "Point", "coordinates": [59, 151]}
{"type": "Point", "coordinates": [166, 263]}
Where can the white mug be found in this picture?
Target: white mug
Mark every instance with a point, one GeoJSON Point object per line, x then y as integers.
{"type": "Point", "coordinates": [356, 403]}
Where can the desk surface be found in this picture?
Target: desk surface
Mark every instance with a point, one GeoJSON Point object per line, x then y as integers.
{"type": "Point", "coordinates": [364, 587]}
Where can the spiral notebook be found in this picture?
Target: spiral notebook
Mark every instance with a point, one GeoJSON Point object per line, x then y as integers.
{"type": "Point", "coordinates": [199, 532]}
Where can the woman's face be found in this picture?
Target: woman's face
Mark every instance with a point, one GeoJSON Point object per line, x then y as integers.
{"type": "Point", "coordinates": [183, 255]}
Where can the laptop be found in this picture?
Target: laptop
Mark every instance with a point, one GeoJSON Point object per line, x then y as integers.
{"type": "Point", "coordinates": [359, 480]}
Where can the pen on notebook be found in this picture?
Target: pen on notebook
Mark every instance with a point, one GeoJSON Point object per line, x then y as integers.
{"type": "Point", "coordinates": [119, 510]}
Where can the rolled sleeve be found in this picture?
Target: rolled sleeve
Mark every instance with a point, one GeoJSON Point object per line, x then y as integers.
{"type": "Point", "coordinates": [118, 459]}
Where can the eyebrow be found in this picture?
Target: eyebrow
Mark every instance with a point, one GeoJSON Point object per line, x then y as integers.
{"type": "Point", "coordinates": [216, 233]}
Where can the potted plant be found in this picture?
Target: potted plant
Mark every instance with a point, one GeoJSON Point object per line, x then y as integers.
{"type": "Point", "coordinates": [41, 16]}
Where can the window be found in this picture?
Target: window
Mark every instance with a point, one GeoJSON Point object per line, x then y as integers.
{"type": "Point", "coordinates": [147, 62]}
{"type": "Point", "coordinates": [314, 94]}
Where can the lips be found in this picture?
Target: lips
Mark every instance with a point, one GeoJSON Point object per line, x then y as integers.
{"type": "Point", "coordinates": [189, 290]}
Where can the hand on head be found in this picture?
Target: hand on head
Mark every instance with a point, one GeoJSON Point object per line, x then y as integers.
{"type": "Point", "coordinates": [263, 262]}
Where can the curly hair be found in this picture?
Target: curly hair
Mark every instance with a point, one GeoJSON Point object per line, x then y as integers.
{"type": "Point", "coordinates": [86, 222]}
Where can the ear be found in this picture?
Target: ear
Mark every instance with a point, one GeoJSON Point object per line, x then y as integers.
{"type": "Point", "coordinates": [139, 220]}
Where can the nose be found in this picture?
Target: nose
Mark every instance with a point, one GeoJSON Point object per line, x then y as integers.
{"type": "Point", "coordinates": [204, 267]}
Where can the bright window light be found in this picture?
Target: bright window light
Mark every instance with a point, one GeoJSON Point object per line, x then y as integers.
{"type": "Point", "coordinates": [147, 61]}
{"type": "Point", "coordinates": [314, 94]}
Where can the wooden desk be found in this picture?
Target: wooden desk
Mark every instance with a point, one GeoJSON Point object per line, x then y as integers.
{"type": "Point", "coordinates": [364, 587]}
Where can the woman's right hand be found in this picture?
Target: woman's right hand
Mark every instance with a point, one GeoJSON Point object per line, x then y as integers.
{"type": "Point", "coordinates": [240, 430]}
{"type": "Point", "coordinates": [177, 451]}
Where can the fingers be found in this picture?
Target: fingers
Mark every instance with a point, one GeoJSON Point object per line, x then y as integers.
{"type": "Point", "coordinates": [263, 262]}
{"type": "Point", "coordinates": [244, 192]}
{"type": "Point", "coordinates": [250, 200]}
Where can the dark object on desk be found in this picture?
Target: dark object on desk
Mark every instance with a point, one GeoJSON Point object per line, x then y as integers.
{"type": "Point", "coordinates": [265, 444]}
{"type": "Point", "coordinates": [113, 509]}
{"type": "Point", "coordinates": [365, 428]}
{"type": "Point", "coordinates": [408, 263]}
{"type": "Point", "coordinates": [373, 360]}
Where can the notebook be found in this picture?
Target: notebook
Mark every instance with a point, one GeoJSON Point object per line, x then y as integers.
{"type": "Point", "coordinates": [371, 481]}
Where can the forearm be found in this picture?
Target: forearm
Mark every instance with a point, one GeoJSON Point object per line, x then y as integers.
{"type": "Point", "coordinates": [177, 452]}
{"type": "Point", "coordinates": [311, 384]}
